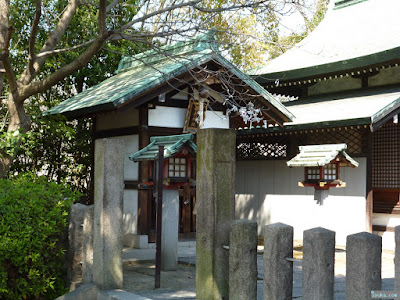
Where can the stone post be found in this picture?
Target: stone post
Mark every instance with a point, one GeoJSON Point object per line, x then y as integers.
{"type": "Point", "coordinates": [108, 210]}
{"type": "Point", "coordinates": [397, 259]}
{"type": "Point", "coordinates": [216, 207]}
{"type": "Point", "coordinates": [278, 272]}
{"type": "Point", "coordinates": [169, 233]}
{"type": "Point", "coordinates": [318, 264]}
{"type": "Point", "coordinates": [363, 265]}
{"type": "Point", "coordinates": [243, 260]}
{"type": "Point", "coordinates": [75, 240]}
{"type": "Point", "coordinates": [87, 263]}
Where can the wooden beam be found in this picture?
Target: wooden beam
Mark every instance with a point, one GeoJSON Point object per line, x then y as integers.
{"type": "Point", "coordinates": [150, 95]}
{"type": "Point", "coordinates": [100, 134]}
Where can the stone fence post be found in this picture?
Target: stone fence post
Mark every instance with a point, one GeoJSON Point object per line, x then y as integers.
{"type": "Point", "coordinates": [318, 264]}
{"type": "Point", "coordinates": [243, 260]}
{"type": "Point", "coordinates": [363, 265]}
{"type": "Point", "coordinates": [215, 190]}
{"type": "Point", "coordinates": [278, 272]}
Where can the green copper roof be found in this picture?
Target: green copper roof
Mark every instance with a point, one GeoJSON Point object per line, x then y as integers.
{"type": "Point", "coordinates": [144, 72]}
{"type": "Point", "coordinates": [359, 107]}
{"type": "Point", "coordinates": [351, 37]}
{"type": "Point", "coordinates": [172, 145]}
{"type": "Point", "coordinates": [320, 155]}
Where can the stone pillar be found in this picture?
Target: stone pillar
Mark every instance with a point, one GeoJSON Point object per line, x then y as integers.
{"type": "Point", "coordinates": [278, 272]}
{"type": "Point", "coordinates": [363, 265]}
{"type": "Point", "coordinates": [76, 241]}
{"type": "Point", "coordinates": [87, 263]}
{"type": "Point", "coordinates": [318, 264]}
{"type": "Point", "coordinates": [243, 260]}
{"type": "Point", "coordinates": [397, 259]}
{"type": "Point", "coordinates": [108, 211]}
{"type": "Point", "coordinates": [169, 233]}
{"type": "Point", "coordinates": [215, 191]}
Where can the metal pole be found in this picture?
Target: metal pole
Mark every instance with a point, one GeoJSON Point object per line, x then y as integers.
{"type": "Point", "coordinates": [160, 171]}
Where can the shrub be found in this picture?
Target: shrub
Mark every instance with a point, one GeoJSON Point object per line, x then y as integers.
{"type": "Point", "coordinates": [33, 219]}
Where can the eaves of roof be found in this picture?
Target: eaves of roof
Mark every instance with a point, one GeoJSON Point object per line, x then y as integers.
{"type": "Point", "coordinates": [356, 108]}
{"type": "Point", "coordinates": [172, 145]}
{"type": "Point", "coordinates": [345, 66]}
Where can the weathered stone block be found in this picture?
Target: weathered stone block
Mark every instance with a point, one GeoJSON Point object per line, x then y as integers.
{"type": "Point", "coordinates": [278, 272]}
{"type": "Point", "coordinates": [108, 211]}
{"type": "Point", "coordinates": [318, 264]}
{"type": "Point", "coordinates": [243, 260]}
{"type": "Point", "coordinates": [363, 265]}
{"type": "Point", "coordinates": [216, 150]}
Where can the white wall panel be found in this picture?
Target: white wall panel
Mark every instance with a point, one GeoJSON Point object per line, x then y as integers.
{"type": "Point", "coordinates": [131, 169]}
{"type": "Point", "coordinates": [270, 190]}
{"type": "Point", "coordinates": [130, 212]}
{"type": "Point", "coordinates": [171, 117]}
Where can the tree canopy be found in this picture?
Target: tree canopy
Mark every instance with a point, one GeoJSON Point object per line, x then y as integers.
{"type": "Point", "coordinates": [53, 49]}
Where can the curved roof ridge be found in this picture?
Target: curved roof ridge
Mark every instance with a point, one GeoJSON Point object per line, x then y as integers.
{"type": "Point", "coordinates": [353, 32]}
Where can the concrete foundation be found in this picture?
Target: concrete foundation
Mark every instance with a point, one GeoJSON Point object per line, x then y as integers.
{"type": "Point", "coordinates": [108, 211]}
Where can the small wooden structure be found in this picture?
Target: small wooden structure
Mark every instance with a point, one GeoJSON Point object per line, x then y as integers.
{"type": "Point", "coordinates": [322, 165]}
{"type": "Point", "coordinates": [179, 172]}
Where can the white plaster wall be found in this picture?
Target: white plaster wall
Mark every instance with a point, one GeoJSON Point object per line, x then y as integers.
{"type": "Point", "coordinates": [334, 85]}
{"type": "Point", "coordinates": [117, 119]}
{"type": "Point", "coordinates": [131, 169]}
{"type": "Point", "coordinates": [267, 191]}
{"type": "Point", "coordinates": [174, 117]}
{"type": "Point", "coordinates": [164, 116]}
{"type": "Point", "coordinates": [130, 212]}
{"type": "Point", "coordinates": [215, 119]}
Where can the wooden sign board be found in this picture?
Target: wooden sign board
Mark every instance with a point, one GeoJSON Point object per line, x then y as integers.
{"type": "Point", "coordinates": [192, 121]}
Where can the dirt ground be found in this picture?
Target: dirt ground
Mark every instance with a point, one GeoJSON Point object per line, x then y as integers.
{"type": "Point", "coordinates": [140, 277]}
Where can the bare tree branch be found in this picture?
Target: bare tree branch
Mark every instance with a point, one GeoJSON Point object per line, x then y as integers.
{"type": "Point", "coordinates": [78, 63]}
{"type": "Point", "coordinates": [157, 12]}
{"type": "Point", "coordinates": [229, 8]}
{"type": "Point", "coordinates": [58, 51]}
{"type": "Point", "coordinates": [32, 40]}
{"type": "Point", "coordinates": [52, 40]}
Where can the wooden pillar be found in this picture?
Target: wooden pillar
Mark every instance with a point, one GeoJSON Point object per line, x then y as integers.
{"type": "Point", "coordinates": [144, 195]}
{"type": "Point", "coordinates": [369, 191]}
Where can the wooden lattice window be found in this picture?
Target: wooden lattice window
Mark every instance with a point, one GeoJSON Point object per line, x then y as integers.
{"type": "Point", "coordinates": [261, 150]}
{"type": "Point", "coordinates": [177, 167]}
{"type": "Point", "coordinates": [354, 138]}
{"type": "Point", "coordinates": [386, 157]}
{"type": "Point", "coordinates": [328, 172]}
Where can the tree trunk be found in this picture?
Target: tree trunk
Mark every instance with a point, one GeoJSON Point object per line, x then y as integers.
{"type": "Point", "coordinates": [18, 120]}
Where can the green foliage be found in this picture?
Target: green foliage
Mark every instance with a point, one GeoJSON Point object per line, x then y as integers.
{"type": "Point", "coordinates": [33, 219]}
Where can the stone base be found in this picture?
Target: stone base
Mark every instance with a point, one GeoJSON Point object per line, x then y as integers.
{"type": "Point", "coordinates": [136, 241]}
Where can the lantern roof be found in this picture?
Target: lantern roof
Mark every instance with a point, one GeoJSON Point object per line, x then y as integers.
{"type": "Point", "coordinates": [172, 145]}
{"type": "Point", "coordinates": [321, 155]}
